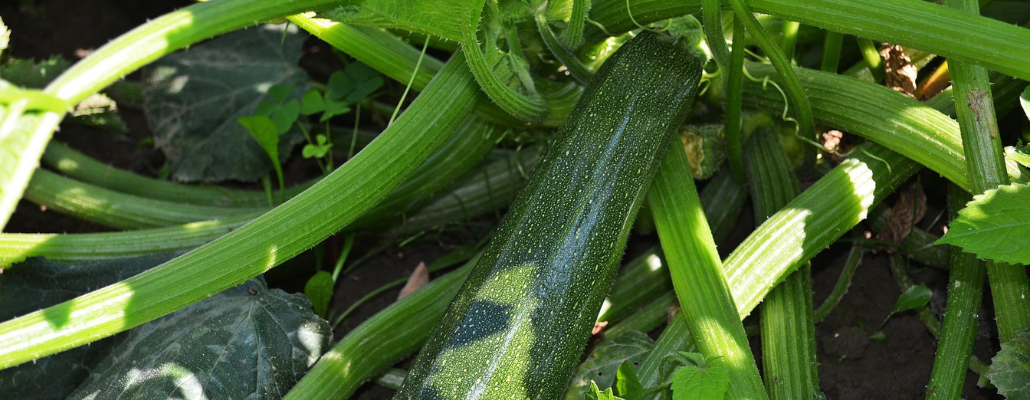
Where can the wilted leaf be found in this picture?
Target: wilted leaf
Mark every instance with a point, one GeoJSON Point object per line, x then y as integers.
{"type": "Point", "coordinates": [319, 291]}
{"type": "Point", "coordinates": [901, 72]}
{"type": "Point", "coordinates": [994, 225]}
{"type": "Point", "coordinates": [708, 380]}
{"type": "Point", "coordinates": [602, 365]}
{"type": "Point", "coordinates": [248, 342]}
{"type": "Point", "coordinates": [36, 284]}
{"type": "Point", "coordinates": [419, 278]}
{"type": "Point", "coordinates": [1010, 368]}
{"type": "Point", "coordinates": [909, 209]}
{"type": "Point", "coordinates": [915, 297]}
{"type": "Point", "coordinates": [195, 97]}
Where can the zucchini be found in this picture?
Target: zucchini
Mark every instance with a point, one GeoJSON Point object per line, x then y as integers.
{"type": "Point", "coordinates": [519, 324]}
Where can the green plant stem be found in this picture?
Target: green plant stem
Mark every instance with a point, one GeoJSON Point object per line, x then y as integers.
{"type": "Point", "coordinates": [118, 210]}
{"type": "Point", "coordinates": [790, 38]}
{"type": "Point", "coordinates": [872, 58]}
{"type": "Point", "coordinates": [879, 114]}
{"type": "Point", "coordinates": [646, 277]}
{"type": "Point", "coordinates": [389, 55]}
{"type": "Point", "coordinates": [929, 27]}
{"type": "Point", "coordinates": [79, 166]}
{"type": "Point", "coordinates": [813, 221]}
{"type": "Point", "coordinates": [697, 275]}
{"type": "Point", "coordinates": [961, 315]}
{"type": "Point", "coordinates": [267, 241]}
{"type": "Point", "coordinates": [788, 329]}
{"type": "Point", "coordinates": [981, 143]}
{"type": "Point", "coordinates": [734, 99]}
{"type": "Point", "coordinates": [572, 36]}
{"type": "Point", "coordinates": [15, 247]}
{"type": "Point", "coordinates": [711, 17]}
{"type": "Point", "coordinates": [842, 285]}
{"type": "Point", "coordinates": [479, 192]}
{"type": "Point", "coordinates": [831, 52]}
{"type": "Point", "coordinates": [802, 108]}
{"type": "Point", "coordinates": [118, 58]}
{"type": "Point", "coordinates": [576, 68]}
{"type": "Point", "coordinates": [382, 340]}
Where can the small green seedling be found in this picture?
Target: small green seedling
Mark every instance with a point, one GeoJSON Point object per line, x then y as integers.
{"type": "Point", "coordinates": [266, 133]}
{"type": "Point", "coordinates": [913, 298]}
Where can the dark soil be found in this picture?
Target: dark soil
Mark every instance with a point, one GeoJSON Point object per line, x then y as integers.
{"type": "Point", "coordinates": [852, 365]}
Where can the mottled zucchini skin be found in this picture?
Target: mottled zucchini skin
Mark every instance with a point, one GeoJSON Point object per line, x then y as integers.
{"type": "Point", "coordinates": [519, 324]}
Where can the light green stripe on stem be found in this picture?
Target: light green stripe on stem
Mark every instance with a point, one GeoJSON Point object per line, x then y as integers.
{"type": "Point", "coordinates": [981, 143]}
{"type": "Point", "coordinates": [787, 323]}
{"type": "Point", "coordinates": [276, 236]}
{"type": "Point", "coordinates": [697, 275]}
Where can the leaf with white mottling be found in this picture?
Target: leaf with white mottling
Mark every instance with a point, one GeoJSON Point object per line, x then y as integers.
{"type": "Point", "coordinates": [195, 97]}
{"type": "Point", "coordinates": [248, 342]}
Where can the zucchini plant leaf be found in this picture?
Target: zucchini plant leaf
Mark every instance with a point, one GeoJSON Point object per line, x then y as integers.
{"type": "Point", "coordinates": [1010, 368]}
{"type": "Point", "coordinates": [33, 74]}
{"type": "Point", "coordinates": [194, 98]}
{"type": "Point", "coordinates": [602, 365]}
{"type": "Point", "coordinates": [438, 18]}
{"type": "Point", "coordinates": [915, 297]}
{"type": "Point", "coordinates": [265, 132]}
{"type": "Point", "coordinates": [247, 342]}
{"type": "Point", "coordinates": [1024, 100]}
{"type": "Point", "coordinates": [319, 291]}
{"type": "Point", "coordinates": [38, 283]}
{"type": "Point", "coordinates": [354, 83]}
{"type": "Point", "coordinates": [994, 225]}
{"type": "Point", "coordinates": [706, 380]}
{"type": "Point", "coordinates": [627, 383]}
{"type": "Point", "coordinates": [594, 393]}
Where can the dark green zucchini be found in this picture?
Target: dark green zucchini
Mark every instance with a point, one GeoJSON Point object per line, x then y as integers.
{"type": "Point", "coordinates": [518, 326]}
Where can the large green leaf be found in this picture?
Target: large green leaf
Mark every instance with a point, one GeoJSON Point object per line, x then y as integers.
{"type": "Point", "coordinates": [248, 342]}
{"type": "Point", "coordinates": [1010, 368]}
{"type": "Point", "coordinates": [601, 367]}
{"type": "Point", "coordinates": [194, 99]}
{"type": "Point", "coordinates": [994, 225]}
{"type": "Point", "coordinates": [38, 283]}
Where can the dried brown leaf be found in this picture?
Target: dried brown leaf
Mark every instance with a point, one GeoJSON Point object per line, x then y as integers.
{"type": "Point", "coordinates": [909, 209]}
{"type": "Point", "coordinates": [901, 72]}
{"type": "Point", "coordinates": [419, 278]}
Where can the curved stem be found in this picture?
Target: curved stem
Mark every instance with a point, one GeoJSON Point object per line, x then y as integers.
{"type": "Point", "coordinates": [260, 245]}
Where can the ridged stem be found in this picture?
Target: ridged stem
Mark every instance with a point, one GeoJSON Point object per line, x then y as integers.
{"type": "Point", "coordinates": [961, 315]}
{"type": "Point", "coordinates": [788, 329]}
{"type": "Point", "coordinates": [269, 240]}
{"type": "Point", "coordinates": [981, 143]}
{"type": "Point", "coordinates": [697, 275]}
{"type": "Point", "coordinates": [734, 101]}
